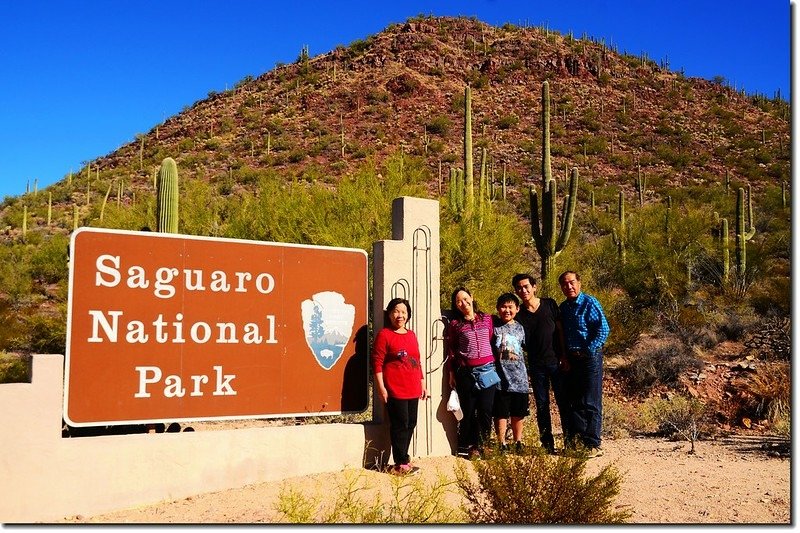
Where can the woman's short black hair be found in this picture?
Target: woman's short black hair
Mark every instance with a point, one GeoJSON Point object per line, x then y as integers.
{"type": "Point", "coordinates": [394, 302]}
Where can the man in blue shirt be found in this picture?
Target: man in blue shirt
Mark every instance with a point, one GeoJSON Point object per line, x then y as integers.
{"type": "Point", "coordinates": [585, 332]}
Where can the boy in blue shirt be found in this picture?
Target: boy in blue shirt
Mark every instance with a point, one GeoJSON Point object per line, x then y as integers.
{"type": "Point", "coordinates": [511, 401]}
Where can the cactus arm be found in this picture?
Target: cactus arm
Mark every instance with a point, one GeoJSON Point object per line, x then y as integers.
{"type": "Point", "coordinates": [536, 233]}
{"type": "Point", "coordinates": [568, 211]}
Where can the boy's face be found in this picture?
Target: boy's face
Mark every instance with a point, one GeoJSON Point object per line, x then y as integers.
{"type": "Point", "coordinates": [507, 311]}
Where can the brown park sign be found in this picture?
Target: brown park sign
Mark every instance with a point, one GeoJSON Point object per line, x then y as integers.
{"type": "Point", "coordinates": [165, 327]}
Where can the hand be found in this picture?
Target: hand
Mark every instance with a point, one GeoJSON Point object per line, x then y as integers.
{"type": "Point", "coordinates": [384, 394]}
{"type": "Point", "coordinates": [424, 395]}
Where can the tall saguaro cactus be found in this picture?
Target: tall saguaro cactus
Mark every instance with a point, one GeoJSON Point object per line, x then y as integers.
{"type": "Point", "coordinates": [743, 233]}
{"type": "Point", "coordinates": [549, 239]}
{"type": "Point", "coordinates": [619, 238]}
{"type": "Point", "coordinates": [726, 252]}
{"type": "Point", "coordinates": [469, 179]}
{"type": "Point", "coordinates": [641, 185]}
{"type": "Point", "coordinates": [167, 197]}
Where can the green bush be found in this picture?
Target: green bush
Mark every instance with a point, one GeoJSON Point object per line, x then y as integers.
{"type": "Point", "coordinates": [539, 489]}
{"type": "Point", "coordinates": [15, 368]}
{"type": "Point", "coordinates": [48, 262]}
{"type": "Point", "coordinates": [439, 125]}
{"type": "Point", "coordinates": [482, 258]}
{"type": "Point", "coordinates": [627, 322]}
{"type": "Point", "coordinates": [46, 333]}
{"type": "Point", "coordinates": [507, 121]}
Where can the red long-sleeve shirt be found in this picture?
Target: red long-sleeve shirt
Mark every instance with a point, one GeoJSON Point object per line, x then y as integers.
{"type": "Point", "coordinates": [397, 356]}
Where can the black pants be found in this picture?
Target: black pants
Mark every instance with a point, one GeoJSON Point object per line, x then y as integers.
{"type": "Point", "coordinates": [402, 421]}
{"type": "Point", "coordinates": [543, 377]}
{"type": "Point", "coordinates": [476, 426]}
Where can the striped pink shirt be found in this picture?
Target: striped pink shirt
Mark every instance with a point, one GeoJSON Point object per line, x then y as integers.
{"type": "Point", "coordinates": [469, 343]}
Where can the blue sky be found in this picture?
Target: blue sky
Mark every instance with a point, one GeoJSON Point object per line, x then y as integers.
{"type": "Point", "coordinates": [79, 79]}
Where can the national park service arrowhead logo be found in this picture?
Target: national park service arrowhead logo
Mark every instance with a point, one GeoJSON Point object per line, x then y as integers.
{"type": "Point", "coordinates": [328, 325]}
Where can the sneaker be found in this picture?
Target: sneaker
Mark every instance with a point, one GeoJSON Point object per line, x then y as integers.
{"type": "Point", "coordinates": [594, 452]}
{"type": "Point", "coordinates": [519, 447]}
{"type": "Point", "coordinates": [503, 447]}
{"type": "Point", "coordinates": [404, 470]}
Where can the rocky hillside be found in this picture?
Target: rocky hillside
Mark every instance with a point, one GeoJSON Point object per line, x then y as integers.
{"type": "Point", "coordinates": [613, 115]}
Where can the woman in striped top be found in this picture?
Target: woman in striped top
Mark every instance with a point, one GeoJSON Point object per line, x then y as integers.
{"type": "Point", "coordinates": [469, 350]}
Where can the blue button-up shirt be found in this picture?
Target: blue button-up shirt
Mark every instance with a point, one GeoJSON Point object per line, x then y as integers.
{"type": "Point", "coordinates": [585, 325]}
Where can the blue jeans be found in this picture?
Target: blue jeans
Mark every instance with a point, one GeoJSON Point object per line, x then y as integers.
{"type": "Point", "coordinates": [543, 377]}
{"type": "Point", "coordinates": [585, 393]}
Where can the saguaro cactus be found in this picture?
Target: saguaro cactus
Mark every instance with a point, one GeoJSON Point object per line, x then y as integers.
{"type": "Point", "coordinates": [24, 222]}
{"type": "Point", "coordinates": [641, 185]}
{"type": "Point", "coordinates": [619, 237]}
{"type": "Point", "coordinates": [743, 232]}
{"type": "Point", "coordinates": [167, 197]}
{"type": "Point", "coordinates": [668, 220]}
{"type": "Point", "coordinates": [469, 179]}
{"type": "Point", "coordinates": [550, 242]}
{"type": "Point", "coordinates": [783, 194]}
{"type": "Point", "coordinates": [726, 251]}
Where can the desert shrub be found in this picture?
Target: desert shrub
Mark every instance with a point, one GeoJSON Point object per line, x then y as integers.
{"type": "Point", "coordinates": [507, 121]}
{"type": "Point", "coordinates": [412, 501]}
{"type": "Point", "coordinates": [15, 277]}
{"type": "Point", "coordinates": [45, 333]}
{"type": "Point", "coordinates": [734, 324]}
{"type": "Point", "coordinates": [440, 125]}
{"type": "Point", "coordinates": [692, 325]}
{"type": "Point", "coordinates": [627, 322]}
{"type": "Point", "coordinates": [679, 417]}
{"type": "Point", "coordinates": [772, 297]}
{"type": "Point", "coordinates": [658, 366]}
{"type": "Point", "coordinates": [770, 393]}
{"type": "Point", "coordinates": [617, 419]}
{"type": "Point", "coordinates": [48, 262]}
{"type": "Point", "coordinates": [471, 253]}
{"type": "Point", "coordinates": [539, 489]}
{"type": "Point", "coordinates": [15, 368]}
{"type": "Point", "coordinates": [355, 215]}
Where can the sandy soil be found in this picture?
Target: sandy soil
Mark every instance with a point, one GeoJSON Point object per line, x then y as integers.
{"type": "Point", "coordinates": [736, 480]}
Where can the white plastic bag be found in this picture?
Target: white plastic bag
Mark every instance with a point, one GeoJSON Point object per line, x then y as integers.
{"type": "Point", "coordinates": [454, 406]}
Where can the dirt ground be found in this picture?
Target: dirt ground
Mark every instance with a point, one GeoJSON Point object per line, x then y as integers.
{"type": "Point", "coordinates": [738, 480]}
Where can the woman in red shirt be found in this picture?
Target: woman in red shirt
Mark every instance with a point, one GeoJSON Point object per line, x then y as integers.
{"type": "Point", "coordinates": [398, 375]}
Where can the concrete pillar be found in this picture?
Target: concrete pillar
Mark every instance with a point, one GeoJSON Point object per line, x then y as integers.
{"type": "Point", "coordinates": [408, 267]}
